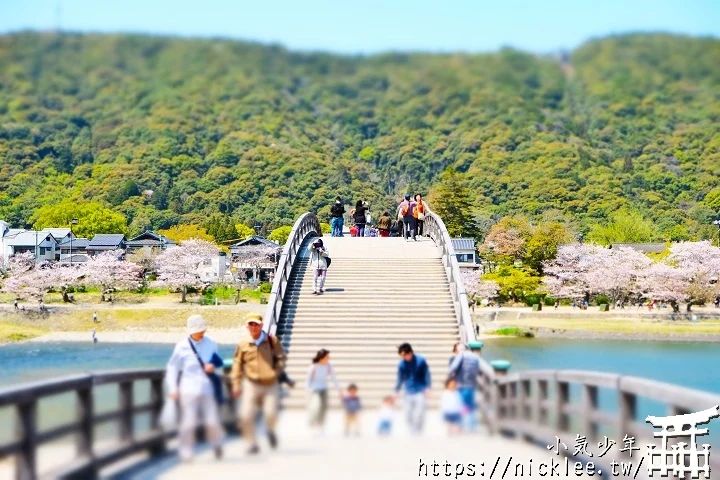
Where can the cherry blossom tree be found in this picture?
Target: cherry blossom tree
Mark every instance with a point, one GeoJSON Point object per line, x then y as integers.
{"type": "Point", "coordinates": [699, 262]}
{"type": "Point", "coordinates": [107, 270]}
{"type": "Point", "coordinates": [28, 279]}
{"type": "Point", "coordinates": [178, 267]}
{"type": "Point", "coordinates": [475, 287]}
{"type": "Point", "coordinates": [581, 269]}
{"type": "Point", "coordinates": [665, 283]}
{"type": "Point", "coordinates": [566, 275]}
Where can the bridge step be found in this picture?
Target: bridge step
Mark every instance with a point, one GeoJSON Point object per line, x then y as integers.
{"type": "Point", "coordinates": [378, 295]}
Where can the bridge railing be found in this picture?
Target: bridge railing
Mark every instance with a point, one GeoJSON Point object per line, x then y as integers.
{"type": "Point", "coordinates": [435, 227]}
{"type": "Point", "coordinates": [89, 456]}
{"type": "Point", "coordinates": [541, 405]}
{"type": "Point", "coordinates": [305, 227]}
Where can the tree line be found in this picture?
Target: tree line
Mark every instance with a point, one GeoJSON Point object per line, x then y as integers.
{"type": "Point", "coordinates": [157, 132]}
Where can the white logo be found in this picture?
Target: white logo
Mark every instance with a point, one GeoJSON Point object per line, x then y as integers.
{"type": "Point", "coordinates": [679, 460]}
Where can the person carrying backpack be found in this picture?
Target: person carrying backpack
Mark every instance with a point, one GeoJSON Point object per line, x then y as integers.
{"type": "Point", "coordinates": [359, 214]}
{"type": "Point", "coordinates": [320, 261]}
{"type": "Point", "coordinates": [337, 212]}
{"type": "Point", "coordinates": [406, 210]}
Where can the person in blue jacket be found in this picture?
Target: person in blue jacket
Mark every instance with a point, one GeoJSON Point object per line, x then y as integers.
{"type": "Point", "coordinates": [414, 375]}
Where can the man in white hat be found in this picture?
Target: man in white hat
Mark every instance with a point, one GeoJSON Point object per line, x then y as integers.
{"type": "Point", "coordinates": [258, 363]}
{"type": "Point", "coordinates": [195, 359]}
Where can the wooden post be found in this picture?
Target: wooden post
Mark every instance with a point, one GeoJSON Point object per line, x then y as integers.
{"type": "Point", "coordinates": [590, 403]}
{"type": "Point", "coordinates": [626, 413]}
{"type": "Point", "coordinates": [562, 419]}
{"type": "Point", "coordinates": [157, 398]}
{"type": "Point", "coordinates": [26, 428]}
{"type": "Point", "coordinates": [542, 394]}
{"type": "Point", "coordinates": [126, 411]}
{"type": "Point", "coordinates": [525, 409]}
{"type": "Point", "coordinates": [84, 438]}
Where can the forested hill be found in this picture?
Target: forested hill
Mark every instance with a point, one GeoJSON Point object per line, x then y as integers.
{"type": "Point", "coordinates": [171, 131]}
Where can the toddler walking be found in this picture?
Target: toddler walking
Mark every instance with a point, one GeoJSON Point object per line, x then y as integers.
{"type": "Point", "coordinates": [352, 405]}
{"type": "Point", "coordinates": [452, 407]}
{"type": "Point", "coordinates": [385, 416]}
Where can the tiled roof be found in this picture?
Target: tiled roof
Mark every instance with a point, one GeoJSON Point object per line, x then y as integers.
{"type": "Point", "coordinates": [463, 243]}
{"type": "Point", "coordinates": [106, 240]}
{"type": "Point", "coordinates": [148, 238]}
{"type": "Point", "coordinates": [58, 233]}
{"type": "Point", "coordinates": [76, 243]}
{"type": "Point", "coordinates": [28, 238]}
{"type": "Point", "coordinates": [255, 240]}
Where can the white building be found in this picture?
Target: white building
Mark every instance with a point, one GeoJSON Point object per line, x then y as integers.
{"type": "Point", "coordinates": [215, 270]}
{"type": "Point", "coordinates": [42, 244]}
{"type": "Point", "coordinates": [465, 252]}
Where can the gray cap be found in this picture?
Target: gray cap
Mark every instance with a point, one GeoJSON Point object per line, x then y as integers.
{"type": "Point", "coordinates": [196, 324]}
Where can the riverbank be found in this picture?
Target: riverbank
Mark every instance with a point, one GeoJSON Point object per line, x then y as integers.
{"type": "Point", "coordinates": [580, 327]}
{"type": "Point", "coordinates": [138, 323]}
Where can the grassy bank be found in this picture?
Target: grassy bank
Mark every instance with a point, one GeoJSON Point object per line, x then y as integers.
{"type": "Point", "coordinates": [13, 332]}
{"type": "Point", "coordinates": [612, 326]}
{"type": "Point", "coordinates": [22, 326]}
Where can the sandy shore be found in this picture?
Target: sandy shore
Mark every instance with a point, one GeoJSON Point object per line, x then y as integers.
{"type": "Point", "coordinates": [170, 335]}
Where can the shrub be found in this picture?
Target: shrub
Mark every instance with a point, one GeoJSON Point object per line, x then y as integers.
{"type": "Point", "coordinates": [550, 302]}
{"type": "Point", "coordinates": [602, 299]}
{"type": "Point", "coordinates": [265, 287]}
{"type": "Point", "coordinates": [325, 228]}
{"type": "Point", "coordinates": [533, 299]}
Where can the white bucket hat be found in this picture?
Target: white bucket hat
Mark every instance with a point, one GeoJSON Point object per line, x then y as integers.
{"type": "Point", "coordinates": [196, 324]}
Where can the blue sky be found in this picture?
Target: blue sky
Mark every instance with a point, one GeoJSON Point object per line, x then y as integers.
{"type": "Point", "coordinates": [369, 26]}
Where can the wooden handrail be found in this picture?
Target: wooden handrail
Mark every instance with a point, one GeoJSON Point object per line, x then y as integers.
{"type": "Point", "coordinates": [29, 437]}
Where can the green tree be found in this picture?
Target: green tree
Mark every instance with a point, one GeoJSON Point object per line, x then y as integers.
{"type": "Point", "coordinates": [93, 218]}
{"type": "Point", "coordinates": [625, 226]}
{"type": "Point", "coordinates": [280, 234]}
{"type": "Point", "coordinates": [243, 231]}
{"type": "Point", "coordinates": [544, 242]}
{"type": "Point", "coordinates": [515, 283]}
{"type": "Point", "coordinates": [178, 233]}
{"type": "Point", "coordinates": [452, 201]}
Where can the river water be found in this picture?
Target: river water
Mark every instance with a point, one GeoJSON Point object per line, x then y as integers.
{"type": "Point", "coordinates": [693, 365]}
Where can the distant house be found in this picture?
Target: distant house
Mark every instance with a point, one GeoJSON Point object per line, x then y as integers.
{"type": "Point", "coordinates": [7, 234]}
{"type": "Point", "coordinates": [465, 252]}
{"type": "Point", "coordinates": [642, 247]}
{"type": "Point", "coordinates": [41, 244]}
{"type": "Point", "coordinates": [153, 240]}
{"type": "Point", "coordinates": [79, 250]}
{"type": "Point", "coordinates": [215, 269]}
{"type": "Point", "coordinates": [103, 242]}
{"type": "Point", "coordinates": [262, 270]}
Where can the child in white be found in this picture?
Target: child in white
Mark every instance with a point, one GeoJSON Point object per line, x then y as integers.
{"type": "Point", "coordinates": [385, 416]}
{"type": "Point", "coordinates": [452, 407]}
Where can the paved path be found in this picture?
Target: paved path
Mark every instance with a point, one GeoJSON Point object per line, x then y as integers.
{"type": "Point", "coordinates": [332, 456]}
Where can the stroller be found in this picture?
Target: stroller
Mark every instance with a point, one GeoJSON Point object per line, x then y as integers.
{"type": "Point", "coordinates": [371, 232]}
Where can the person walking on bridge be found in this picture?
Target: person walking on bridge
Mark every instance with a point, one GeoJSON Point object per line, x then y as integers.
{"type": "Point", "coordinates": [337, 212]}
{"type": "Point", "coordinates": [359, 214]}
{"type": "Point", "coordinates": [257, 365]}
{"type": "Point", "coordinates": [384, 225]}
{"type": "Point", "coordinates": [194, 362]}
{"type": "Point", "coordinates": [409, 224]}
{"type": "Point", "coordinates": [414, 374]}
{"type": "Point", "coordinates": [319, 260]}
{"type": "Point", "coordinates": [319, 376]}
{"type": "Point", "coordinates": [419, 214]}
{"type": "Point", "coordinates": [465, 369]}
